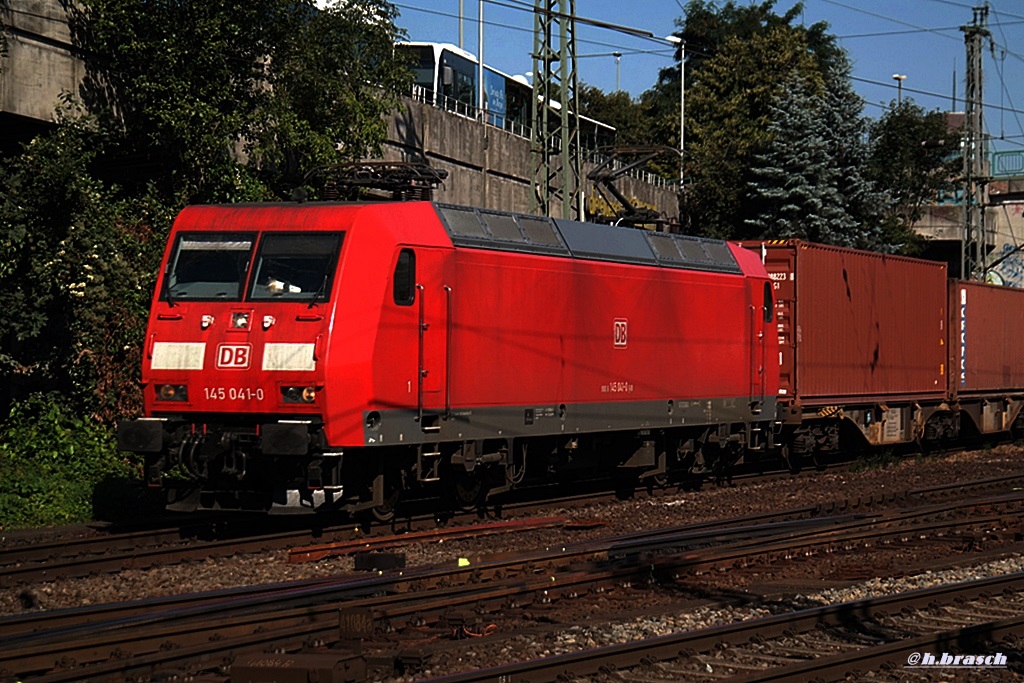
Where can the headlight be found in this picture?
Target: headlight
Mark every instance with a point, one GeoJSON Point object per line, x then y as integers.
{"type": "Point", "coordinates": [171, 392]}
{"type": "Point", "coordinates": [298, 394]}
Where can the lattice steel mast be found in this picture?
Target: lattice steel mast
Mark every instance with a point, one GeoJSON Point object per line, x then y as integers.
{"type": "Point", "coordinates": [975, 241]}
{"type": "Point", "coordinates": [557, 166]}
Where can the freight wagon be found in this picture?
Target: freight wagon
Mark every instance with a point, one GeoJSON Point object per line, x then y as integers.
{"type": "Point", "coordinates": [986, 361]}
{"type": "Point", "coordinates": [873, 350]}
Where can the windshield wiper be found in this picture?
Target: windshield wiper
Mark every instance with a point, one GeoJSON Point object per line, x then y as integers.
{"type": "Point", "coordinates": [320, 292]}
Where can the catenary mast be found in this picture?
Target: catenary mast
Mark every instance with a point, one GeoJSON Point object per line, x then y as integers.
{"type": "Point", "coordinates": [557, 165]}
{"type": "Point", "coordinates": [975, 152]}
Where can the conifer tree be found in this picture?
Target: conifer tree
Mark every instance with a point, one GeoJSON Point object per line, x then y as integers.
{"type": "Point", "coordinates": [810, 180]}
{"type": "Point", "coordinates": [847, 128]}
{"type": "Point", "coordinates": [793, 182]}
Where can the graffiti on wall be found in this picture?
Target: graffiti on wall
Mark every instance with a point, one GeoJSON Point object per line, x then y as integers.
{"type": "Point", "coordinates": [1009, 271]}
{"type": "Point", "coordinates": [1007, 221]}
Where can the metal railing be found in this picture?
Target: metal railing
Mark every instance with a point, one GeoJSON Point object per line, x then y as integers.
{"type": "Point", "coordinates": [469, 111]}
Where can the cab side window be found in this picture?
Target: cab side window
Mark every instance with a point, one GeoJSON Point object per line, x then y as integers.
{"type": "Point", "coordinates": [405, 278]}
{"type": "Point", "coordinates": [769, 308]}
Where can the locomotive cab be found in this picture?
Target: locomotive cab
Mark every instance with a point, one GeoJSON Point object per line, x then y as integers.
{"type": "Point", "coordinates": [234, 373]}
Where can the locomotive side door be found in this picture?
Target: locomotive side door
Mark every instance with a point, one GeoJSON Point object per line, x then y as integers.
{"type": "Point", "coordinates": [435, 300]}
{"type": "Point", "coordinates": [762, 315]}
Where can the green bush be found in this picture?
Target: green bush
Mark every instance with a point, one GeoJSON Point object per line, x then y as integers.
{"type": "Point", "coordinates": [51, 462]}
{"type": "Point", "coordinates": [85, 207]}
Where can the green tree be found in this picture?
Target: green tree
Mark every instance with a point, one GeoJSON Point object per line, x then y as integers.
{"type": "Point", "coordinates": [708, 27]}
{"type": "Point", "coordinates": [794, 188]}
{"type": "Point", "coordinates": [617, 109]}
{"type": "Point", "coordinates": [737, 57]}
{"type": "Point", "coordinates": [728, 115]}
{"type": "Point", "coordinates": [860, 197]}
{"type": "Point", "coordinates": [76, 274]}
{"type": "Point", "coordinates": [914, 156]}
{"type": "Point", "coordinates": [231, 101]}
{"type": "Point", "coordinates": [808, 180]}
{"type": "Point", "coordinates": [334, 84]}
{"type": "Point", "coordinates": [190, 102]}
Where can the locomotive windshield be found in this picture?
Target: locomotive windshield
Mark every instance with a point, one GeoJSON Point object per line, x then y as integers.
{"type": "Point", "coordinates": [288, 266]}
{"type": "Point", "coordinates": [297, 266]}
{"type": "Point", "coordinates": [206, 266]}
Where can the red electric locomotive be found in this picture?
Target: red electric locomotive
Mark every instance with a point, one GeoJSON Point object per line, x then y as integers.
{"type": "Point", "coordinates": [329, 356]}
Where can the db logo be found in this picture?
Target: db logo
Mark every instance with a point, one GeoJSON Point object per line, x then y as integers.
{"type": "Point", "coordinates": [620, 334]}
{"type": "Point", "coordinates": [233, 355]}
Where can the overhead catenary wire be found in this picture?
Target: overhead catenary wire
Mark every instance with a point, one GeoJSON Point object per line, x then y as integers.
{"type": "Point", "coordinates": [950, 32]}
{"type": "Point", "coordinates": [1004, 89]}
{"type": "Point", "coordinates": [1006, 19]}
{"type": "Point", "coordinates": [522, 29]}
{"type": "Point", "coordinates": [884, 17]}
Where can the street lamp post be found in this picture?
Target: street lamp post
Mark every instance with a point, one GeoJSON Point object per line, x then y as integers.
{"type": "Point", "coordinates": [899, 78]}
{"type": "Point", "coordinates": [462, 41]}
{"type": "Point", "coordinates": [481, 100]}
{"type": "Point", "coordinates": [676, 40]}
{"type": "Point", "coordinates": [618, 72]}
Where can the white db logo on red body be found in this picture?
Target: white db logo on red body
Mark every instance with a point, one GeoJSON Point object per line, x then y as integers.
{"type": "Point", "coordinates": [621, 335]}
{"type": "Point", "coordinates": [234, 355]}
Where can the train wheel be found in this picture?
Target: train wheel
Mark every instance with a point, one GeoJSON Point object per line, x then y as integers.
{"type": "Point", "coordinates": [819, 459]}
{"type": "Point", "coordinates": [790, 459]}
{"type": "Point", "coordinates": [387, 488]}
{"type": "Point", "coordinates": [722, 466]}
{"type": "Point", "coordinates": [659, 481]}
{"type": "Point", "coordinates": [1017, 428]}
{"type": "Point", "coordinates": [661, 478]}
{"type": "Point", "coordinates": [466, 490]}
{"type": "Point", "coordinates": [385, 512]}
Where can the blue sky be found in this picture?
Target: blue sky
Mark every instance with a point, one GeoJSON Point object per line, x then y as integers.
{"type": "Point", "coordinates": [920, 39]}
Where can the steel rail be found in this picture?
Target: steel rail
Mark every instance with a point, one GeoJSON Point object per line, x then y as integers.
{"type": "Point", "coordinates": [77, 557]}
{"type": "Point", "coordinates": [723, 534]}
{"type": "Point", "coordinates": [669, 647]}
{"type": "Point", "coordinates": [408, 595]}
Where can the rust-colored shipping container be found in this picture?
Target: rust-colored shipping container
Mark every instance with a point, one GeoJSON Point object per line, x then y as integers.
{"type": "Point", "coordinates": [856, 326]}
{"type": "Point", "coordinates": [986, 347]}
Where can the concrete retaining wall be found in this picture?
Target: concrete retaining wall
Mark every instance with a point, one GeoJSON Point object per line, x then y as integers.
{"type": "Point", "coordinates": [487, 166]}
{"type": "Point", "coordinates": [37, 69]}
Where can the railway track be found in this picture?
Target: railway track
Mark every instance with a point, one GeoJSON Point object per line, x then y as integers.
{"type": "Point", "coordinates": [114, 552]}
{"type": "Point", "coordinates": [827, 643]}
{"type": "Point", "coordinates": [173, 637]}
{"type": "Point", "coordinates": [222, 537]}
